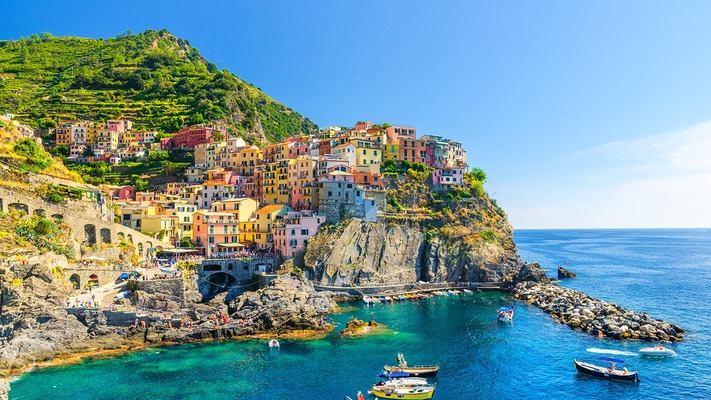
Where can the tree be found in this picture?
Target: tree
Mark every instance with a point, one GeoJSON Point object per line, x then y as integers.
{"type": "Point", "coordinates": [46, 36]}
{"type": "Point", "coordinates": [158, 156]}
{"type": "Point", "coordinates": [61, 150]}
{"type": "Point", "coordinates": [186, 242]}
{"type": "Point", "coordinates": [479, 174]}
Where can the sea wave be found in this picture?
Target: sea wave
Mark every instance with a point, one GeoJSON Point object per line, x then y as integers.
{"type": "Point", "coordinates": [611, 351]}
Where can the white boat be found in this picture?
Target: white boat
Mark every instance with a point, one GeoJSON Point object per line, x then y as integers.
{"type": "Point", "coordinates": [657, 351]}
{"type": "Point", "coordinates": [467, 291]}
{"type": "Point", "coordinates": [506, 314]}
{"type": "Point", "coordinates": [367, 299]}
{"type": "Point", "coordinates": [388, 299]}
{"type": "Point", "coordinates": [405, 382]}
{"type": "Point", "coordinates": [274, 344]}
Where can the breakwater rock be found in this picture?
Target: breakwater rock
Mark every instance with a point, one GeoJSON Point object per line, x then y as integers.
{"type": "Point", "coordinates": [565, 273]}
{"type": "Point", "coordinates": [596, 317]}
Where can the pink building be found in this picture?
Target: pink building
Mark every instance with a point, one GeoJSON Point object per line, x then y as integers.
{"type": "Point", "coordinates": [294, 230]}
{"type": "Point", "coordinates": [447, 177]}
{"type": "Point", "coordinates": [395, 133]}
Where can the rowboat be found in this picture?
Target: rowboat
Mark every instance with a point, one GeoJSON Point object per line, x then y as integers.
{"type": "Point", "coordinates": [657, 351]}
{"type": "Point", "coordinates": [610, 372]}
{"type": "Point", "coordinates": [274, 344]}
{"type": "Point", "coordinates": [367, 299]}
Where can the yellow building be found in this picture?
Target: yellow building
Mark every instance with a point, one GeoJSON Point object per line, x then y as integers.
{"type": "Point", "coordinates": [183, 214]}
{"type": "Point", "coordinates": [302, 183]}
{"type": "Point", "coordinates": [242, 208]}
{"type": "Point", "coordinates": [246, 160]}
{"type": "Point", "coordinates": [161, 227]}
{"type": "Point", "coordinates": [260, 229]}
{"type": "Point", "coordinates": [127, 139]}
{"type": "Point", "coordinates": [392, 151]}
{"type": "Point", "coordinates": [275, 182]}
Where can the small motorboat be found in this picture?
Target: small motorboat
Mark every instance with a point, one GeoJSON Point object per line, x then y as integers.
{"type": "Point", "coordinates": [382, 299]}
{"type": "Point", "coordinates": [397, 391]}
{"type": "Point", "coordinates": [273, 344]}
{"type": "Point", "coordinates": [467, 291]}
{"type": "Point", "coordinates": [505, 314]}
{"type": "Point", "coordinates": [388, 299]}
{"type": "Point", "coordinates": [657, 351]}
{"type": "Point", "coordinates": [367, 299]}
{"type": "Point", "coordinates": [402, 297]}
{"type": "Point", "coordinates": [416, 370]}
{"type": "Point", "coordinates": [610, 372]}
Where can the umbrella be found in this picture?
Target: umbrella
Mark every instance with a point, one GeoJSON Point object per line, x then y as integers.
{"type": "Point", "coordinates": [124, 276]}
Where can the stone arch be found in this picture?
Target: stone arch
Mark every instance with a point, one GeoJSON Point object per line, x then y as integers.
{"type": "Point", "coordinates": [140, 248]}
{"type": "Point", "coordinates": [220, 282]}
{"type": "Point", "coordinates": [130, 238]}
{"type": "Point", "coordinates": [2, 209]}
{"type": "Point", "coordinates": [40, 212]}
{"type": "Point", "coordinates": [58, 217]}
{"type": "Point", "coordinates": [93, 280]}
{"type": "Point", "coordinates": [105, 234]}
{"type": "Point", "coordinates": [121, 237]}
{"type": "Point", "coordinates": [75, 280]}
{"type": "Point", "coordinates": [90, 233]}
{"type": "Point", "coordinates": [230, 267]}
{"type": "Point", "coordinates": [149, 245]}
{"type": "Point", "coordinates": [21, 207]}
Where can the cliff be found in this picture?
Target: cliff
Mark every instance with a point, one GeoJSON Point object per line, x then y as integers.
{"type": "Point", "coordinates": [420, 238]}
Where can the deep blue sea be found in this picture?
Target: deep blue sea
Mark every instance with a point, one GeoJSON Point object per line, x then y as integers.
{"type": "Point", "coordinates": [664, 272]}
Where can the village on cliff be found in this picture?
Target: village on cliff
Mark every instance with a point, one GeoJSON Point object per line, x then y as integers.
{"type": "Point", "coordinates": [237, 196]}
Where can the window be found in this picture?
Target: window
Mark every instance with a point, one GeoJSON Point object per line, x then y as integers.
{"type": "Point", "coordinates": [304, 231]}
{"type": "Point", "coordinates": [211, 240]}
{"type": "Point", "coordinates": [293, 232]}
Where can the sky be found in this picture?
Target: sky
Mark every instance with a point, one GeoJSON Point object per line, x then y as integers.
{"type": "Point", "coordinates": [583, 114]}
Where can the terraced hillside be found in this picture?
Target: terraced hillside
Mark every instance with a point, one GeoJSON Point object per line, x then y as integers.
{"type": "Point", "coordinates": [154, 79]}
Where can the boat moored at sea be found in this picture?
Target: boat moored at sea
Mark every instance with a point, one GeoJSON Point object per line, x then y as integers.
{"type": "Point", "coordinates": [657, 351]}
{"type": "Point", "coordinates": [402, 368]}
{"type": "Point", "coordinates": [367, 299]}
{"type": "Point", "coordinates": [610, 372]}
{"type": "Point", "coordinates": [505, 314]}
{"type": "Point", "coordinates": [273, 344]}
{"type": "Point", "coordinates": [397, 390]}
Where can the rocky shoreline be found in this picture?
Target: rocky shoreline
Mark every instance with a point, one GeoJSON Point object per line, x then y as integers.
{"type": "Point", "coordinates": [596, 317]}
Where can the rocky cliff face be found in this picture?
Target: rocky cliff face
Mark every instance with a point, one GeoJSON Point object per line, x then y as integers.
{"type": "Point", "coordinates": [467, 248]}
{"type": "Point", "coordinates": [35, 326]}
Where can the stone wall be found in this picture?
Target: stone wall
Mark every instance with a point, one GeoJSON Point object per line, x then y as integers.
{"type": "Point", "coordinates": [82, 275]}
{"type": "Point", "coordinates": [83, 217]}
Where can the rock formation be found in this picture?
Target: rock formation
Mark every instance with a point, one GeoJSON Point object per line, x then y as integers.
{"type": "Point", "coordinates": [356, 327]}
{"type": "Point", "coordinates": [286, 304]}
{"type": "Point", "coordinates": [564, 273]}
{"type": "Point", "coordinates": [4, 389]}
{"type": "Point", "coordinates": [368, 253]}
{"type": "Point", "coordinates": [596, 317]}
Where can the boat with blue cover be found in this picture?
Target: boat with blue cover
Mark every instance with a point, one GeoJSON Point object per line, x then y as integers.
{"type": "Point", "coordinates": [505, 314]}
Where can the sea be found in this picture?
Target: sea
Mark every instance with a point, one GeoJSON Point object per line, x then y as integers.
{"type": "Point", "coordinates": [666, 273]}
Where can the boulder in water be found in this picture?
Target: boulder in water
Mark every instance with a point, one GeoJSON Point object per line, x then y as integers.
{"type": "Point", "coordinates": [564, 273]}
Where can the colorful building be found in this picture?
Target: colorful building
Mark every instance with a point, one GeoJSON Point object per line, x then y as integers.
{"type": "Point", "coordinates": [294, 230]}
{"type": "Point", "coordinates": [215, 232]}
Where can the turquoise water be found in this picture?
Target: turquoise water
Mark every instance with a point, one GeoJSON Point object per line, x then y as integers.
{"type": "Point", "coordinates": [665, 272]}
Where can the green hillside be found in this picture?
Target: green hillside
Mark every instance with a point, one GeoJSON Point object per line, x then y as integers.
{"type": "Point", "coordinates": [154, 79]}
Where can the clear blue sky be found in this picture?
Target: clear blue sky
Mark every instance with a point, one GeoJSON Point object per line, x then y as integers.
{"type": "Point", "coordinates": [583, 114]}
